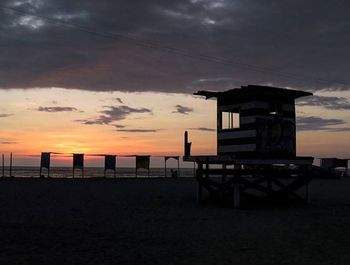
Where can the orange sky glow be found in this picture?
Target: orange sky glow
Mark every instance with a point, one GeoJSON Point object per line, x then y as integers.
{"type": "Point", "coordinates": [27, 132]}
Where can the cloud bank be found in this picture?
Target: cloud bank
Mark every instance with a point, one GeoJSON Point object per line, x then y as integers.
{"type": "Point", "coordinates": [312, 123]}
{"type": "Point", "coordinates": [106, 44]}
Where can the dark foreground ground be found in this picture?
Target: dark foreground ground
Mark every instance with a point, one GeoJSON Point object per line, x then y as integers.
{"type": "Point", "coordinates": [156, 221]}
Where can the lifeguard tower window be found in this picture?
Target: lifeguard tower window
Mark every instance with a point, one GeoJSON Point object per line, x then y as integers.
{"type": "Point", "coordinates": [229, 120]}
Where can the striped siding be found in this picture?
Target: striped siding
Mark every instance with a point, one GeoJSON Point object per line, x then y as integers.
{"type": "Point", "coordinates": [252, 119]}
{"type": "Point", "coordinates": [254, 105]}
{"type": "Point", "coordinates": [222, 135]}
{"type": "Point", "coordinates": [247, 119]}
{"type": "Point", "coordinates": [248, 140]}
{"type": "Point", "coordinates": [264, 112]}
{"type": "Point", "coordinates": [243, 141]}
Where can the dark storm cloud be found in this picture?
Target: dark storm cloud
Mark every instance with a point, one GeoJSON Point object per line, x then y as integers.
{"type": "Point", "coordinates": [183, 110]}
{"type": "Point", "coordinates": [312, 123]}
{"type": "Point", "coordinates": [119, 126]}
{"type": "Point", "coordinates": [102, 120]}
{"type": "Point", "coordinates": [119, 100]}
{"type": "Point", "coordinates": [8, 142]}
{"type": "Point", "coordinates": [5, 115]}
{"type": "Point", "coordinates": [121, 112]}
{"type": "Point", "coordinates": [56, 109]}
{"type": "Point", "coordinates": [111, 114]}
{"type": "Point", "coordinates": [308, 38]}
{"type": "Point", "coordinates": [335, 103]}
{"type": "Point", "coordinates": [204, 129]}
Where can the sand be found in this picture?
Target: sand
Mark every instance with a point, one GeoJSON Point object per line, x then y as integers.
{"type": "Point", "coordinates": [157, 221]}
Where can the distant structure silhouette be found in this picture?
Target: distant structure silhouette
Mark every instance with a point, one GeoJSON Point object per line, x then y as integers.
{"type": "Point", "coordinates": [110, 164]}
{"type": "Point", "coordinates": [142, 162]}
{"type": "Point", "coordinates": [78, 163]}
{"type": "Point", "coordinates": [255, 132]}
{"type": "Point", "coordinates": [330, 165]}
{"type": "Point", "coordinates": [45, 163]}
{"type": "Point", "coordinates": [177, 158]}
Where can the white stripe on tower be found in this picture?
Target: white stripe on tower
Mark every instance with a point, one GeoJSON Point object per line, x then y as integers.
{"type": "Point", "coordinates": [236, 148]}
{"type": "Point", "coordinates": [252, 119]}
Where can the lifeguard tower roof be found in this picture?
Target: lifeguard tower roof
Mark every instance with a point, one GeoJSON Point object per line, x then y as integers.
{"type": "Point", "coordinates": [256, 121]}
{"type": "Point", "coordinates": [252, 92]}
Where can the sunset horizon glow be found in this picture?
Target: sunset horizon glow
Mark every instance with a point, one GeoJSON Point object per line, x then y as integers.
{"type": "Point", "coordinates": [57, 120]}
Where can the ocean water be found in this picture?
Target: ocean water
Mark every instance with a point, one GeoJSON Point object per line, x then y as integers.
{"type": "Point", "coordinates": [93, 172]}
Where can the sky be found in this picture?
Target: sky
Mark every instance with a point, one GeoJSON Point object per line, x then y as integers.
{"type": "Point", "coordinates": [117, 77]}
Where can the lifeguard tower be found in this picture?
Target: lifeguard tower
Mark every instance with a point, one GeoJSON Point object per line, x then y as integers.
{"type": "Point", "coordinates": [256, 147]}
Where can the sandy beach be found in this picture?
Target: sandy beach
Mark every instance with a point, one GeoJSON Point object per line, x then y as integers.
{"type": "Point", "coordinates": [157, 221]}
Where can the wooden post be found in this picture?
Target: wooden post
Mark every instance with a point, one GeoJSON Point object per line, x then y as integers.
{"type": "Point", "coordinates": [187, 145]}
{"type": "Point", "coordinates": [237, 196]}
{"type": "Point", "coordinates": [48, 166]}
{"type": "Point", "coordinates": [165, 173]}
{"type": "Point", "coordinates": [3, 165]}
{"type": "Point", "coordinates": [223, 179]}
{"type": "Point", "coordinates": [199, 175]}
{"type": "Point", "coordinates": [115, 168]}
{"type": "Point", "coordinates": [73, 171]}
{"type": "Point", "coordinates": [236, 189]}
{"type": "Point", "coordinates": [178, 167]}
{"type": "Point", "coordinates": [269, 181]}
{"type": "Point", "coordinates": [11, 164]}
{"type": "Point", "coordinates": [307, 193]}
{"type": "Point", "coordinates": [207, 170]}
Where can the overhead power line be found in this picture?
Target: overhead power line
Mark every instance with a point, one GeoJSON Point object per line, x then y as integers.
{"type": "Point", "coordinates": [185, 53]}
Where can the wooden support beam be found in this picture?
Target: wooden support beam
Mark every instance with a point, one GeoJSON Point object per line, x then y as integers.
{"type": "Point", "coordinates": [224, 173]}
{"type": "Point", "coordinates": [247, 180]}
{"type": "Point", "coordinates": [269, 183]}
{"type": "Point", "coordinates": [237, 196]}
{"type": "Point", "coordinates": [11, 164]}
{"type": "Point", "coordinates": [199, 176]}
{"type": "Point", "coordinates": [3, 165]}
{"type": "Point", "coordinates": [236, 188]}
{"type": "Point", "coordinates": [307, 193]}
